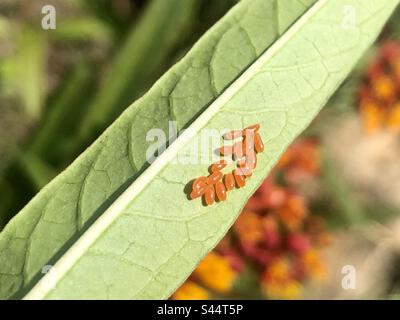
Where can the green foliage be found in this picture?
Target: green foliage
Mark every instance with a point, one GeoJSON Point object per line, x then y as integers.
{"type": "Point", "coordinates": [28, 63]}
{"type": "Point", "coordinates": [159, 29]}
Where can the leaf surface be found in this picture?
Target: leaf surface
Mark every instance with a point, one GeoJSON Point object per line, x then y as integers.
{"type": "Point", "coordinates": [120, 230]}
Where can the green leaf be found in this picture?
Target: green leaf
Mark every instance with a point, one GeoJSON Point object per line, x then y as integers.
{"type": "Point", "coordinates": [118, 228]}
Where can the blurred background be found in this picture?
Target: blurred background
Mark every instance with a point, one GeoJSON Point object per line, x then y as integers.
{"type": "Point", "coordinates": [332, 202]}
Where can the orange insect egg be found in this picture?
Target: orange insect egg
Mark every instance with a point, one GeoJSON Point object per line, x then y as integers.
{"type": "Point", "coordinates": [220, 191]}
{"type": "Point", "coordinates": [238, 150]}
{"type": "Point", "coordinates": [196, 193]}
{"type": "Point", "coordinates": [226, 151]}
{"type": "Point", "coordinates": [214, 177]}
{"type": "Point", "coordinates": [239, 178]}
{"type": "Point", "coordinates": [217, 166]}
{"type": "Point", "coordinates": [199, 183]}
{"type": "Point", "coordinates": [215, 186]}
{"type": "Point", "coordinates": [229, 181]}
{"type": "Point", "coordinates": [252, 128]}
{"type": "Point", "coordinates": [246, 167]}
{"type": "Point", "coordinates": [258, 143]}
{"type": "Point", "coordinates": [233, 134]}
{"type": "Point", "coordinates": [251, 159]}
{"type": "Point", "coordinates": [209, 195]}
{"type": "Point", "coordinates": [248, 144]}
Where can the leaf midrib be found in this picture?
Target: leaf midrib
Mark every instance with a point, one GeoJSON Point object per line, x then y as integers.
{"type": "Point", "coordinates": [76, 251]}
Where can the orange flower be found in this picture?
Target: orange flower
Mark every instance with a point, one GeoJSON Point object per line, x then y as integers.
{"type": "Point", "coordinates": [293, 212]}
{"type": "Point", "coordinates": [278, 270]}
{"type": "Point", "coordinates": [301, 161]}
{"type": "Point", "coordinates": [302, 155]}
{"type": "Point", "coordinates": [286, 158]}
{"type": "Point", "coordinates": [289, 289]}
{"type": "Point", "coordinates": [372, 116]}
{"type": "Point", "coordinates": [384, 88]}
{"type": "Point", "coordinates": [216, 273]}
{"type": "Point", "coordinates": [313, 265]}
{"type": "Point", "coordinates": [271, 232]}
{"type": "Point", "coordinates": [266, 197]}
{"type": "Point", "coordinates": [278, 283]}
{"type": "Point", "coordinates": [249, 227]}
{"type": "Point", "coordinates": [393, 118]}
{"type": "Point", "coordinates": [190, 291]}
{"type": "Point", "coordinates": [379, 96]}
{"type": "Point", "coordinates": [316, 230]}
{"type": "Point", "coordinates": [396, 68]}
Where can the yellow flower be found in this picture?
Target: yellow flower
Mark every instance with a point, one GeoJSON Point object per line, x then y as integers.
{"type": "Point", "coordinates": [384, 88]}
{"type": "Point", "coordinates": [314, 265]}
{"type": "Point", "coordinates": [278, 270]}
{"type": "Point", "coordinates": [372, 116]}
{"type": "Point", "coordinates": [216, 273]}
{"type": "Point", "coordinates": [190, 291]}
{"type": "Point", "coordinates": [289, 289]}
{"type": "Point", "coordinates": [278, 282]}
{"type": "Point", "coordinates": [380, 94]}
{"type": "Point", "coordinates": [393, 118]}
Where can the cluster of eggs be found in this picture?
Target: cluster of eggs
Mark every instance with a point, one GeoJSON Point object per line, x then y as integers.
{"type": "Point", "coordinates": [216, 184]}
